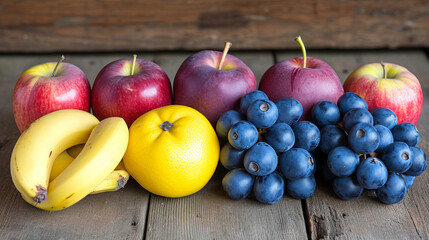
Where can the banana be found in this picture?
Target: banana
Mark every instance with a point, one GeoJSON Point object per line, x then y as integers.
{"type": "Point", "coordinates": [75, 150]}
{"type": "Point", "coordinates": [114, 181]}
{"type": "Point", "coordinates": [61, 162]}
{"type": "Point", "coordinates": [39, 145]}
{"type": "Point", "coordinates": [101, 154]}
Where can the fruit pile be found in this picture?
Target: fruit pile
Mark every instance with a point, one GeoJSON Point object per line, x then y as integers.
{"type": "Point", "coordinates": [359, 149]}
{"type": "Point", "coordinates": [269, 147]}
{"type": "Point", "coordinates": [267, 143]}
{"type": "Point", "coordinates": [368, 150]}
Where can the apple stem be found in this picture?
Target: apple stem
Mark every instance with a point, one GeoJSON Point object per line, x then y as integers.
{"type": "Point", "coordinates": [134, 64]}
{"type": "Point", "coordinates": [384, 70]}
{"type": "Point", "coordinates": [56, 66]}
{"type": "Point", "coordinates": [304, 53]}
{"type": "Point", "coordinates": [225, 51]}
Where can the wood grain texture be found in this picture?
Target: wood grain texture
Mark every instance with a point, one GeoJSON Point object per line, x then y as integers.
{"type": "Point", "coordinates": [366, 217]}
{"type": "Point", "coordinates": [210, 213]}
{"type": "Point", "coordinates": [115, 215]}
{"type": "Point", "coordinates": [118, 25]}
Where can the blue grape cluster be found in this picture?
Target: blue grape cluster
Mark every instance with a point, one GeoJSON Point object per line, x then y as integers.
{"type": "Point", "coordinates": [367, 149]}
{"type": "Point", "coordinates": [267, 149]}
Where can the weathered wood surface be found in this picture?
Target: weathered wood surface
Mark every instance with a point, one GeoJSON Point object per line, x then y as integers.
{"type": "Point", "coordinates": [133, 213]}
{"type": "Point", "coordinates": [118, 25]}
{"type": "Point", "coordinates": [366, 217]}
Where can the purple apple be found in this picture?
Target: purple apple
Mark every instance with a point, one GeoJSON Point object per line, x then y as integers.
{"type": "Point", "coordinates": [213, 82]}
{"type": "Point", "coordinates": [49, 87]}
{"type": "Point", "coordinates": [308, 80]}
{"type": "Point", "coordinates": [128, 88]}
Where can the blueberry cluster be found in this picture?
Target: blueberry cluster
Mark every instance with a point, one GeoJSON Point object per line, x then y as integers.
{"type": "Point", "coordinates": [367, 149]}
{"type": "Point", "coordinates": [267, 149]}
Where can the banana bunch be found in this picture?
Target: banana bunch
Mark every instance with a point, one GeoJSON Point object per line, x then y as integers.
{"type": "Point", "coordinates": [114, 181]}
{"type": "Point", "coordinates": [39, 147]}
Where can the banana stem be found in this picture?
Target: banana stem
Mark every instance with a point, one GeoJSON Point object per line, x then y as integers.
{"type": "Point", "coordinates": [304, 53]}
{"type": "Point", "coordinates": [225, 51]}
{"type": "Point", "coordinates": [134, 64]}
{"type": "Point", "coordinates": [56, 66]}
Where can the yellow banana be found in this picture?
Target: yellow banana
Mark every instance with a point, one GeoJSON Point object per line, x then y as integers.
{"type": "Point", "coordinates": [39, 145]}
{"type": "Point", "coordinates": [114, 181]}
{"type": "Point", "coordinates": [75, 150]}
{"type": "Point", "coordinates": [101, 154]}
{"type": "Point", "coordinates": [61, 162]}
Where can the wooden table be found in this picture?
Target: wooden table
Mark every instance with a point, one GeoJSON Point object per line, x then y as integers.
{"type": "Point", "coordinates": [134, 213]}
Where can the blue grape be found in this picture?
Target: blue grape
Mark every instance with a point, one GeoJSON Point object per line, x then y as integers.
{"type": "Point", "coordinates": [296, 163]}
{"type": "Point", "coordinates": [355, 116]}
{"type": "Point", "coordinates": [347, 188]}
{"type": "Point", "coordinates": [407, 133]}
{"type": "Point", "coordinates": [371, 173]}
{"type": "Point", "coordinates": [260, 160]}
{"type": "Point", "coordinates": [409, 180]}
{"type": "Point", "coordinates": [385, 136]}
{"type": "Point", "coordinates": [307, 135]}
{"type": "Point", "coordinates": [350, 100]}
{"type": "Point", "coordinates": [290, 110]}
{"type": "Point", "coordinates": [393, 191]}
{"type": "Point", "coordinates": [332, 136]}
{"type": "Point", "coordinates": [269, 189]}
{"type": "Point", "coordinates": [247, 99]}
{"type": "Point", "coordinates": [262, 113]}
{"type": "Point", "coordinates": [385, 117]}
{"type": "Point", "coordinates": [238, 183]}
{"type": "Point", "coordinates": [226, 121]}
{"type": "Point", "coordinates": [363, 138]}
{"type": "Point", "coordinates": [397, 157]}
{"type": "Point", "coordinates": [419, 162]}
{"type": "Point", "coordinates": [301, 188]}
{"type": "Point", "coordinates": [231, 157]}
{"type": "Point", "coordinates": [280, 136]}
{"type": "Point", "coordinates": [342, 161]}
{"type": "Point", "coordinates": [243, 135]}
{"type": "Point", "coordinates": [325, 113]}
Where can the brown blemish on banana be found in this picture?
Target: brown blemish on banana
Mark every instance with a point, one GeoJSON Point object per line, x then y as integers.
{"type": "Point", "coordinates": [40, 195]}
{"type": "Point", "coordinates": [69, 196]}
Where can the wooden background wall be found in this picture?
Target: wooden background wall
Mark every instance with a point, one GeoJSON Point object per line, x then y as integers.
{"type": "Point", "coordinates": [130, 25]}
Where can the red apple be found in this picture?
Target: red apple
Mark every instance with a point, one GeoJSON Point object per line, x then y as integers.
{"type": "Point", "coordinates": [308, 80]}
{"type": "Point", "coordinates": [128, 88]}
{"type": "Point", "coordinates": [390, 86]}
{"type": "Point", "coordinates": [49, 87]}
{"type": "Point", "coordinates": [213, 82]}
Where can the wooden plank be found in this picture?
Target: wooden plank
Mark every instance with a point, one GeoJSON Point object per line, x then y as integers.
{"type": "Point", "coordinates": [116, 215]}
{"type": "Point", "coordinates": [210, 214]}
{"type": "Point", "coordinates": [117, 25]}
{"type": "Point", "coordinates": [366, 217]}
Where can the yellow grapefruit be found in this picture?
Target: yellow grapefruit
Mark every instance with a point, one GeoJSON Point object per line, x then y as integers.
{"type": "Point", "coordinates": [173, 151]}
